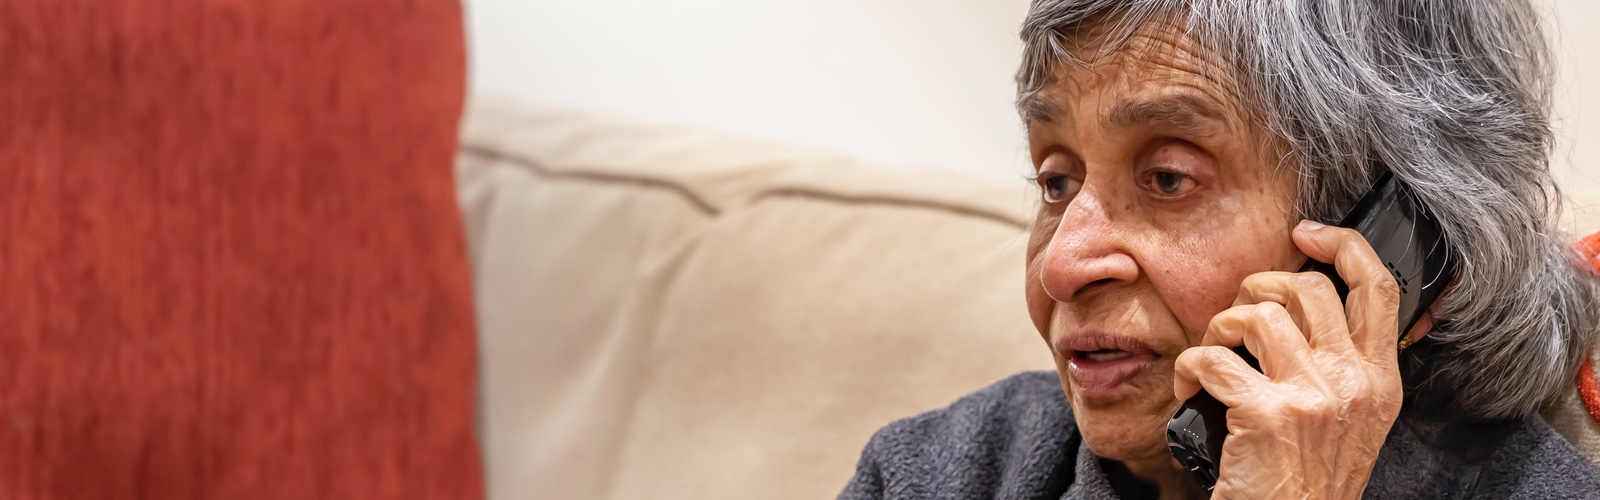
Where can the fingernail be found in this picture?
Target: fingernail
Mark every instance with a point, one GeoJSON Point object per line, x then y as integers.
{"type": "Point", "coordinates": [1311, 225]}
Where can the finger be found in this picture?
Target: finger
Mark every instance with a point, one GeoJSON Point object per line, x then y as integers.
{"type": "Point", "coordinates": [1311, 300]}
{"type": "Point", "coordinates": [1267, 331]}
{"type": "Point", "coordinates": [1373, 303]}
{"type": "Point", "coordinates": [1219, 371]}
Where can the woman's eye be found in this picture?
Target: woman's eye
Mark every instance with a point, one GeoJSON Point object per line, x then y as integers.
{"type": "Point", "coordinates": [1169, 183]}
{"type": "Point", "coordinates": [1055, 188]}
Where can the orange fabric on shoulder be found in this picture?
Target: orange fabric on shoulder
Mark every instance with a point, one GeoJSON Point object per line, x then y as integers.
{"type": "Point", "coordinates": [1590, 248]}
{"type": "Point", "coordinates": [1588, 387]}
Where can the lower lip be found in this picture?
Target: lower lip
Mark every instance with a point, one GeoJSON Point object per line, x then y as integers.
{"type": "Point", "coordinates": [1103, 378]}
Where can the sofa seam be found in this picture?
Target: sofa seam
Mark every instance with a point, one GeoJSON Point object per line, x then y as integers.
{"type": "Point", "coordinates": [700, 204]}
{"type": "Point", "coordinates": [707, 208]}
{"type": "Point", "coordinates": [989, 215]}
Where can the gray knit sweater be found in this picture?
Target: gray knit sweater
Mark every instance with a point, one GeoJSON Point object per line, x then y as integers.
{"type": "Point", "coordinates": [1016, 440]}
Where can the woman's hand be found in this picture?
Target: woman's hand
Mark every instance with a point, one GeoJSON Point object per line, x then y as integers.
{"type": "Point", "coordinates": [1310, 424]}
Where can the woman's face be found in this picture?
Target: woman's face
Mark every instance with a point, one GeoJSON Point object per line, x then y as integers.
{"type": "Point", "coordinates": [1159, 198]}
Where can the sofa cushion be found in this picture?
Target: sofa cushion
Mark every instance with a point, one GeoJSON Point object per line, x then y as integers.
{"type": "Point", "coordinates": [668, 314]}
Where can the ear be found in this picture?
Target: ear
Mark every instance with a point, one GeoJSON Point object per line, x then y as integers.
{"type": "Point", "coordinates": [1424, 325]}
{"type": "Point", "coordinates": [1418, 330]}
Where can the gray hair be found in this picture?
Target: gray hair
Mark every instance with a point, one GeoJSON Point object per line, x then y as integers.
{"type": "Point", "coordinates": [1454, 97]}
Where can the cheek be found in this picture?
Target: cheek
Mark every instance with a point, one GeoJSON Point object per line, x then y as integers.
{"type": "Point", "coordinates": [1200, 270]}
{"type": "Point", "coordinates": [1040, 305]}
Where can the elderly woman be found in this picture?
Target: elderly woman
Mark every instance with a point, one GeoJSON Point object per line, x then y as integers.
{"type": "Point", "coordinates": [1185, 152]}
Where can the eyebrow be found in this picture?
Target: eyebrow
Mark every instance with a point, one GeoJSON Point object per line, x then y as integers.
{"type": "Point", "coordinates": [1183, 114]}
{"type": "Point", "coordinates": [1037, 109]}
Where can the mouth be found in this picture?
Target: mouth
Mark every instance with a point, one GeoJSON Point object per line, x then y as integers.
{"type": "Point", "coordinates": [1101, 364]}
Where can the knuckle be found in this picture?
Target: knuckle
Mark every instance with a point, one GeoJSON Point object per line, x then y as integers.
{"type": "Point", "coordinates": [1271, 406]}
{"type": "Point", "coordinates": [1268, 313]}
{"type": "Point", "coordinates": [1210, 357]}
{"type": "Point", "coordinates": [1206, 355]}
{"type": "Point", "coordinates": [1385, 287]}
{"type": "Point", "coordinates": [1314, 282]}
{"type": "Point", "coordinates": [1375, 406]}
{"type": "Point", "coordinates": [1190, 359]}
{"type": "Point", "coordinates": [1197, 360]}
{"type": "Point", "coordinates": [1228, 318]}
{"type": "Point", "coordinates": [1264, 279]}
{"type": "Point", "coordinates": [1317, 406]}
{"type": "Point", "coordinates": [1360, 406]}
{"type": "Point", "coordinates": [1347, 234]}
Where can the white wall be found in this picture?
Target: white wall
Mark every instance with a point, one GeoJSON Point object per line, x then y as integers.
{"type": "Point", "coordinates": [904, 83]}
{"type": "Point", "coordinates": [1577, 114]}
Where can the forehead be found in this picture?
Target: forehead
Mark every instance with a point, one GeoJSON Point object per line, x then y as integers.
{"type": "Point", "coordinates": [1158, 60]}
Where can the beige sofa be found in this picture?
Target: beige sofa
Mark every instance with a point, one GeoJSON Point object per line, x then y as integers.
{"type": "Point", "coordinates": [667, 313]}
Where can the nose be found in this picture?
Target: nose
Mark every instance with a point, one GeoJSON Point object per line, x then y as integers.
{"type": "Point", "coordinates": [1088, 251]}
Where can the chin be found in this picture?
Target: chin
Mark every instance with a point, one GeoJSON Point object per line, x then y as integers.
{"type": "Point", "coordinates": [1130, 424]}
{"type": "Point", "coordinates": [1126, 439]}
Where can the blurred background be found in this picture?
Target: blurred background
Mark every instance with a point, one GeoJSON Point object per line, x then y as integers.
{"type": "Point", "coordinates": [515, 249]}
{"type": "Point", "coordinates": [893, 83]}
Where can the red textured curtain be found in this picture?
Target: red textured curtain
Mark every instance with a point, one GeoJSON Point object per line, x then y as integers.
{"type": "Point", "coordinates": [231, 262]}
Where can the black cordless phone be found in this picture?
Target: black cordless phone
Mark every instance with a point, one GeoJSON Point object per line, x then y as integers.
{"type": "Point", "coordinates": [1410, 244]}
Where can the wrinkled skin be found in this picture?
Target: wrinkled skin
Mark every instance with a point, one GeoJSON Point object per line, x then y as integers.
{"type": "Point", "coordinates": [1167, 217]}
